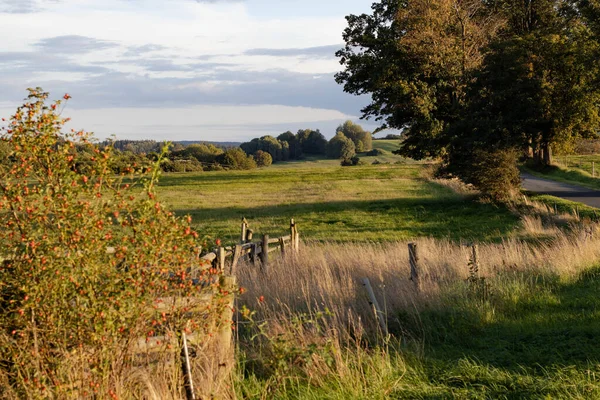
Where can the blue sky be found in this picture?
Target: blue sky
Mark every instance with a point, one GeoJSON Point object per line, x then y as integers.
{"type": "Point", "coordinates": [181, 69]}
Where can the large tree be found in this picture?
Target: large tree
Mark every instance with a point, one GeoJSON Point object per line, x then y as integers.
{"type": "Point", "coordinates": [416, 60]}
{"type": "Point", "coordinates": [476, 74]}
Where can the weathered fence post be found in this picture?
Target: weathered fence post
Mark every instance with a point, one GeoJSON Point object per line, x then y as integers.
{"type": "Point", "coordinates": [295, 239]}
{"type": "Point", "coordinates": [413, 258]}
{"type": "Point", "coordinates": [244, 229]}
{"type": "Point", "coordinates": [376, 309]}
{"type": "Point", "coordinates": [237, 254]}
{"type": "Point", "coordinates": [221, 259]}
{"type": "Point", "coordinates": [224, 336]}
{"type": "Point", "coordinates": [474, 262]}
{"type": "Point", "coordinates": [249, 235]}
{"type": "Point", "coordinates": [282, 245]}
{"type": "Point", "coordinates": [264, 253]}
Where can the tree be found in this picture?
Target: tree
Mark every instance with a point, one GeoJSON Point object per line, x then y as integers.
{"type": "Point", "coordinates": [263, 159]}
{"type": "Point", "coordinates": [295, 148]}
{"type": "Point", "coordinates": [416, 59]}
{"type": "Point", "coordinates": [312, 142]}
{"type": "Point", "coordinates": [362, 139]}
{"type": "Point", "coordinates": [340, 146]}
{"type": "Point", "coordinates": [272, 146]}
{"type": "Point", "coordinates": [236, 158]}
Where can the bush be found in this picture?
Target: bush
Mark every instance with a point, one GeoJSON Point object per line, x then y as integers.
{"type": "Point", "coordinates": [69, 308]}
{"type": "Point", "coordinates": [236, 159]}
{"type": "Point", "coordinates": [494, 173]}
{"type": "Point", "coordinates": [191, 165]}
{"type": "Point", "coordinates": [340, 147]}
{"type": "Point", "coordinates": [376, 152]}
{"type": "Point", "coordinates": [263, 159]}
{"type": "Point", "coordinates": [350, 162]}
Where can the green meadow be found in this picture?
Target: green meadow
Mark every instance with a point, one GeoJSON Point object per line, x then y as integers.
{"type": "Point", "coordinates": [333, 203]}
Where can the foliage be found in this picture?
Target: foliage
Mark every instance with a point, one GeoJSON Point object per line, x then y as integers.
{"type": "Point", "coordinates": [477, 75]}
{"type": "Point", "coordinates": [192, 165]}
{"type": "Point", "coordinates": [362, 139]}
{"type": "Point", "coordinates": [293, 143]}
{"type": "Point", "coordinates": [415, 59]}
{"type": "Point", "coordinates": [351, 162]}
{"type": "Point", "coordinates": [312, 142]}
{"type": "Point", "coordinates": [263, 159]}
{"type": "Point", "coordinates": [69, 307]}
{"type": "Point", "coordinates": [494, 173]}
{"type": "Point", "coordinates": [203, 153]}
{"type": "Point", "coordinates": [340, 146]}
{"type": "Point", "coordinates": [236, 159]}
{"type": "Point", "coordinates": [375, 153]}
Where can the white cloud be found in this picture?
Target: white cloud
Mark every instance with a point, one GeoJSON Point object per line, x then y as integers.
{"type": "Point", "coordinates": [162, 54]}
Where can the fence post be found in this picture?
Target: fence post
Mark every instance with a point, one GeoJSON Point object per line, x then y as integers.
{"type": "Point", "coordinates": [244, 229]}
{"type": "Point", "coordinates": [295, 239]}
{"type": "Point", "coordinates": [282, 245]}
{"type": "Point", "coordinates": [249, 235]}
{"type": "Point", "coordinates": [376, 309]}
{"type": "Point", "coordinates": [237, 254]}
{"type": "Point", "coordinates": [474, 261]}
{"type": "Point", "coordinates": [221, 259]}
{"type": "Point", "coordinates": [225, 335]}
{"type": "Point", "coordinates": [413, 258]}
{"type": "Point", "coordinates": [264, 254]}
{"type": "Point", "coordinates": [253, 251]}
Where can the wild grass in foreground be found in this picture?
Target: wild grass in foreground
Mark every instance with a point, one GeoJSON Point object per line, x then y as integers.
{"type": "Point", "coordinates": [530, 334]}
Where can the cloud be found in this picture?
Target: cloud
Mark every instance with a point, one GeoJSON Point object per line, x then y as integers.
{"type": "Point", "coordinates": [24, 6]}
{"type": "Point", "coordinates": [17, 6]}
{"type": "Point", "coordinates": [73, 44]}
{"type": "Point", "coordinates": [318, 51]}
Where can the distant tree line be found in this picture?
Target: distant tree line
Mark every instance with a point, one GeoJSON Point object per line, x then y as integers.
{"type": "Point", "coordinates": [139, 155]}
{"type": "Point", "coordinates": [349, 140]}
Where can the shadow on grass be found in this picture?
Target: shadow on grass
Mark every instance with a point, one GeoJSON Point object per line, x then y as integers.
{"type": "Point", "coordinates": [543, 344]}
{"type": "Point", "coordinates": [449, 217]}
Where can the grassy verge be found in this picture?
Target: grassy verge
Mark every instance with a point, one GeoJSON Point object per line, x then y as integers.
{"type": "Point", "coordinates": [562, 206]}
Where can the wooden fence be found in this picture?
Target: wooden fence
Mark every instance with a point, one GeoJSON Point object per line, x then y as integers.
{"type": "Point", "coordinates": [225, 260]}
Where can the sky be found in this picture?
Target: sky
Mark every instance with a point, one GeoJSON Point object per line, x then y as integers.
{"type": "Point", "coordinates": [219, 70]}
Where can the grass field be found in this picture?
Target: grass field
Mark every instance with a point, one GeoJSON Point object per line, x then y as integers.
{"type": "Point", "coordinates": [529, 334]}
{"type": "Point", "coordinates": [333, 203]}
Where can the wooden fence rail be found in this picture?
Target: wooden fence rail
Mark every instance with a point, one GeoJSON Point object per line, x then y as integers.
{"type": "Point", "coordinates": [226, 259]}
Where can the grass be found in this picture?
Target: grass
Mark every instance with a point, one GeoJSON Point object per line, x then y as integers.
{"type": "Point", "coordinates": [329, 202]}
{"type": "Point", "coordinates": [578, 172]}
{"type": "Point", "coordinates": [533, 336]}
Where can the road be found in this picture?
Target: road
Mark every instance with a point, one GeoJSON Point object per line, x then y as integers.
{"type": "Point", "coordinates": [563, 190]}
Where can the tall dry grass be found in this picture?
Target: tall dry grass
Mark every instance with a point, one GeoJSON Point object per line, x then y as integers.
{"type": "Point", "coordinates": [329, 276]}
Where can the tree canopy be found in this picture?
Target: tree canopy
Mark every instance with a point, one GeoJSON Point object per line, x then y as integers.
{"type": "Point", "coordinates": [457, 76]}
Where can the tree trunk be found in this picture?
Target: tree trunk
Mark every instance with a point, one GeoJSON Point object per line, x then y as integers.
{"type": "Point", "coordinates": [546, 154]}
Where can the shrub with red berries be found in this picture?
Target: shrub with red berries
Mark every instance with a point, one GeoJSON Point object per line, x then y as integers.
{"type": "Point", "coordinates": [86, 254]}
